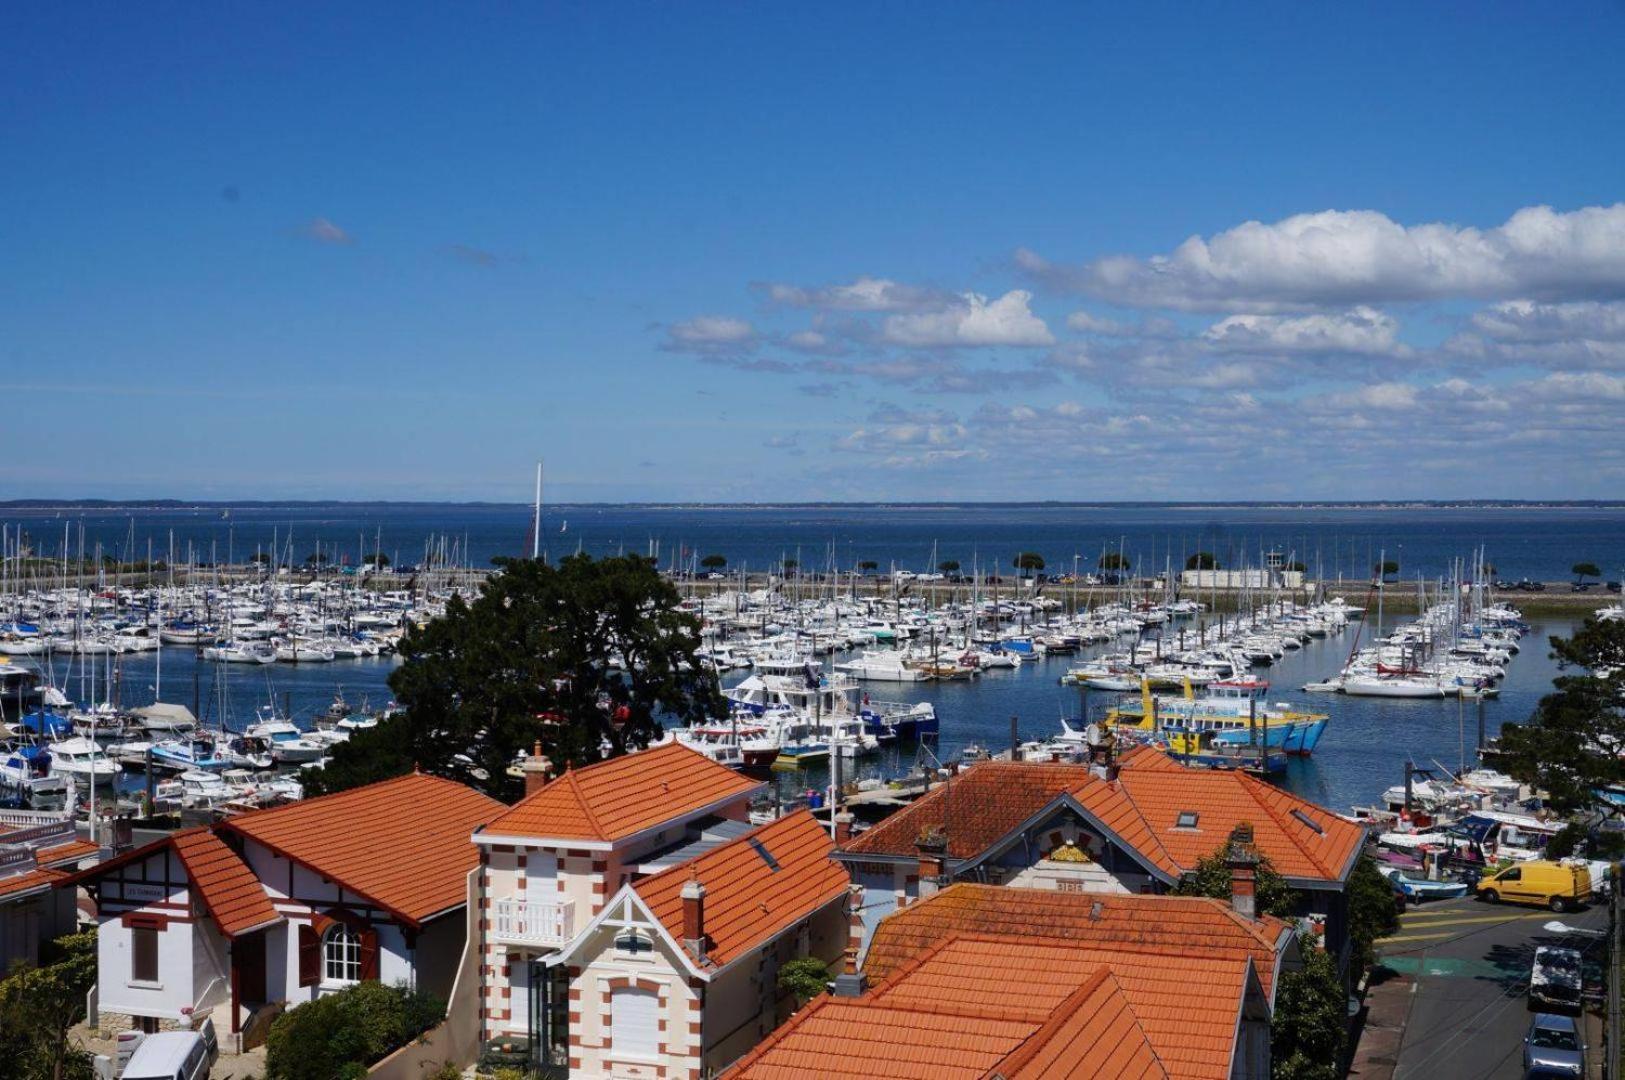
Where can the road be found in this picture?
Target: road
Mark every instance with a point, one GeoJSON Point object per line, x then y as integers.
{"type": "Point", "coordinates": [1466, 965]}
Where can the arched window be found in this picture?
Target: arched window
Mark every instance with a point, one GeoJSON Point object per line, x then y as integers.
{"type": "Point", "coordinates": [341, 955]}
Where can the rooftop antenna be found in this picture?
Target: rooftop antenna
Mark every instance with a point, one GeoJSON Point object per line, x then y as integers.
{"type": "Point", "coordinates": [536, 523]}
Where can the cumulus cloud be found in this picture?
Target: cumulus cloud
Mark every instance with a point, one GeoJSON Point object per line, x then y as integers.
{"type": "Point", "coordinates": [862, 294]}
{"type": "Point", "coordinates": [973, 322]}
{"type": "Point", "coordinates": [1359, 330]}
{"type": "Point", "coordinates": [711, 335]}
{"type": "Point", "coordinates": [1341, 258]}
{"type": "Point", "coordinates": [325, 232]}
{"type": "Point", "coordinates": [1530, 321]}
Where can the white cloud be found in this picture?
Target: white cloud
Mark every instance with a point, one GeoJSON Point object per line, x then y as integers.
{"type": "Point", "coordinates": [862, 294]}
{"type": "Point", "coordinates": [324, 231]}
{"type": "Point", "coordinates": [711, 335]}
{"type": "Point", "coordinates": [972, 322]}
{"type": "Point", "coordinates": [1347, 257]}
{"type": "Point", "coordinates": [1359, 330]}
{"type": "Point", "coordinates": [1530, 321]}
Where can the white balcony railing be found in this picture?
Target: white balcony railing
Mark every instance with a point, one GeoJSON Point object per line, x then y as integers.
{"type": "Point", "coordinates": [533, 922]}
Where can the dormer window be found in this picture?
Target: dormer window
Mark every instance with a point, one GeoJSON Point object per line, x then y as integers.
{"type": "Point", "coordinates": [1187, 819]}
{"type": "Point", "coordinates": [632, 942]}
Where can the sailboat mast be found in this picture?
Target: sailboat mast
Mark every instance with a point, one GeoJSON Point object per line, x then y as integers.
{"type": "Point", "coordinates": [536, 530]}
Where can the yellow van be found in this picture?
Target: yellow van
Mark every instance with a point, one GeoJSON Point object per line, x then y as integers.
{"type": "Point", "coordinates": [1556, 885]}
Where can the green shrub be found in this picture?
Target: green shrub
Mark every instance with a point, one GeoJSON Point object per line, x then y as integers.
{"type": "Point", "coordinates": [341, 1034]}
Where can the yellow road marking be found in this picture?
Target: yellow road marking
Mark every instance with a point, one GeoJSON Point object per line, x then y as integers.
{"type": "Point", "coordinates": [1467, 919]}
{"type": "Point", "coordinates": [1400, 939]}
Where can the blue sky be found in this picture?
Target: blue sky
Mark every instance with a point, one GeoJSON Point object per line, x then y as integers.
{"type": "Point", "coordinates": [836, 252]}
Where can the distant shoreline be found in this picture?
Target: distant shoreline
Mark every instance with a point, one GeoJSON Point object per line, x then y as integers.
{"type": "Point", "coordinates": [181, 505]}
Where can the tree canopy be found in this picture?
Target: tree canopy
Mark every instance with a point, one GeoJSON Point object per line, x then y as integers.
{"type": "Point", "coordinates": [948, 566]}
{"type": "Point", "coordinates": [1387, 568]}
{"type": "Point", "coordinates": [1113, 560]}
{"type": "Point", "coordinates": [868, 564]}
{"type": "Point", "coordinates": [38, 1005]}
{"type": "Point", "coordinates": [1212, 878]}
{"type": "Point", "coordinates": [1307, 1031]}
{"type": "Point", "coordinates": [714, 562]}
{"type": "Point", "coordinates": [1202, 560]}
{"type": "Point", "coordinates": [1028, 560]}
{"type": "Point", "coordinates": [586, 657]}
{"type": "Point", "coordinates": [1583, 570]}
{"type": "Point", "coordinates": [1571, 744]}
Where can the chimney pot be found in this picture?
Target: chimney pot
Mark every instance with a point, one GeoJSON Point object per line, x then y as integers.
{"type": "Point", "coordinates": [1243, 864]}
{"type": "Point", "coordinates": [537, 770]}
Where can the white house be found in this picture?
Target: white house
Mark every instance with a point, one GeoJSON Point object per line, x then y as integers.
{"type": "Point", "coordinates": [273, 908]}
{"type": "Point", "coordinates": [592, 957]}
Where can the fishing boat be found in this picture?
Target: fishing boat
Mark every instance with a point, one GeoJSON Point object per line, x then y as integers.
{"type": "Point", "coordinates": [1420, 890]}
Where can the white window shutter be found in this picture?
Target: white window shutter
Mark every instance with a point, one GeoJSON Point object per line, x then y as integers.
{"type": "Point", "coordinates": [634, 1022]}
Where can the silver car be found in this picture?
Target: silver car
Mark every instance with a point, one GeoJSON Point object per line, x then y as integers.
{"type": "Point", "coordinates": [1553, 1048]}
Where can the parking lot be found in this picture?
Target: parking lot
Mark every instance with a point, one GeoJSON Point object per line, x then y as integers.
{"type": "Point", "coordinates": [1450, 996]}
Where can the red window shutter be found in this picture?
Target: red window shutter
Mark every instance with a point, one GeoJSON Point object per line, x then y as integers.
{"type": "Point", "coordinates": [369, 955]}
{"type": "Point", "coordinates": [310, 956]}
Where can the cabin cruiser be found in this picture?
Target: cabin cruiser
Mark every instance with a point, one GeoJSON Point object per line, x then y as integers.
{"type": "Point", "coordinates": [282, 740]}
{"type": "Point", "coordinates": [882, 667]}
{"type": "Point", "coordinates": [80, 758]}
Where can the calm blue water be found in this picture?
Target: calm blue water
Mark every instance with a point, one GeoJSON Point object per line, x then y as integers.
{"type": "Point", "coordinates": [1539, 543]}
{"type": "Point", "coordinates": [1361, 755]}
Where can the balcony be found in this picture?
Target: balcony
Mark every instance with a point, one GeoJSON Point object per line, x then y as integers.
{"type": "Point", "coordinates": [533, 922]}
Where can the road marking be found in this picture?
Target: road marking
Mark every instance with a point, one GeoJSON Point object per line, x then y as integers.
{"type": "Point", "coordinates": [1406, 924]}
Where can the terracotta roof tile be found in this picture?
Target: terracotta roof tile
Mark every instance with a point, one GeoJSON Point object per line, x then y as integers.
{"type": "Point", "coordinates": [18, 884]}
{"type": "Point", "coordinates": [402, 843]}
{"type": "Point", "coordinates": [987, 802]}
{"type": "Point", "coordinates": [230, 892]}
{"type": "Point", "coordinates": [1196, 925]}
{"type": "Point", "coordinates": [622, 796]}
{"type": "Point", "coordinates": [749, 899]}
{"type": "Point", "coordinates": [63, 854]}
{"type": "Point", "coordinates": [1081, 1012]}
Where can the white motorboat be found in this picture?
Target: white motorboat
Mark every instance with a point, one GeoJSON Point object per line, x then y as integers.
{"type": "Point", "coordinates": [882, 667]}
{"type": "Point", "coordinates": [79, 758]}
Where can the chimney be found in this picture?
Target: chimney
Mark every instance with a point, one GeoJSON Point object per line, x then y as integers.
{"type": "Point", "coordinates": [538, 770]}
{"type": "Point", "coordinates": [1103, 757]}
{"type": "Point", "coordinates": [694, 919]}
{"type": "Point", "coordinates": [1243, 864]}
{"type": "Point", "coordinates": [932, 845]}
{"type": "Point", "coordinates": [851, 982]}
{"type": "Point", "coordinates": [843, 828]}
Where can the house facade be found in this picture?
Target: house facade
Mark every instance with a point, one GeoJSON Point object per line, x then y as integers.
{"type": "Point", "coordinates": [38, 851]}
{"type": "Point", "coordinates": [1132, 829]}
{"type": "Point", "coordinates": [271, 909]}
{"type": "Point", "coordinates": [593, 960]}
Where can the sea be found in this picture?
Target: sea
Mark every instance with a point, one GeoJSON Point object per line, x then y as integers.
{"type": "Point", "coordinates": [1361, 755]}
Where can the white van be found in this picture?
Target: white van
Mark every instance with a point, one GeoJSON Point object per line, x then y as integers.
{"type": "Point", "coordinates": [169, 1055]}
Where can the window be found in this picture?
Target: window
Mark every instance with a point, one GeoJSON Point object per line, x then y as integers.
{"type": "Point", "coordinates": [633, 1023]}
{"type": "Point", "coordinates": [341, 955]}
{"type": "Point", "coordinates": [1187, 819]}
{"type": "Point", "coordinates": [143, 954]}
{"type": "Point", "coordinates": [633, 942]}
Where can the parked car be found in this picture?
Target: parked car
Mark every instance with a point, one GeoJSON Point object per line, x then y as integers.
{"type": "Point", "coordinates": [1559, 886]}
{"type": "Point", "coordinates": [170, 1055]}
{"type": "Point", "coordinates": [1553, 1048]}
{"type": "Point", "coordinates": [1556, 978]}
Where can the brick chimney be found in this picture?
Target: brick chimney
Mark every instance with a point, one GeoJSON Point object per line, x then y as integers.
{"type": "Point", "coordinates": [843, 828]}
{"type": "Point", "coordinates": [694, 919]}
{"type": "Point", "coordinates": [932, 845]}
{"type": "Point", "coordinates": [538, 770]}
{"type": "Point", "coordinates": [1103, 757]}
{"type": "Point", "coordinates": [1243, 864]}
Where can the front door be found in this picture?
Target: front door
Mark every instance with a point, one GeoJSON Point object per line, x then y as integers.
{"type": "Point", "coordinates": [549, 1018]}
{"type": "Point", "coordinates": [248, 953]}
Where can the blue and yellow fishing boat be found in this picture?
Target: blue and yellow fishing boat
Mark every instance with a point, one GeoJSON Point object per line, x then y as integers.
{"type": "Point", "coordinates": [1228, 714]}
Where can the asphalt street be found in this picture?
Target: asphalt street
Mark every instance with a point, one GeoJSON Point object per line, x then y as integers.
{"type": "Point", "coordinates": [1467, 965]}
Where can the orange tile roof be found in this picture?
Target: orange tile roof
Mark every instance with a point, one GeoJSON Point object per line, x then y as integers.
{"type": "Point", "coordinates": [18, 884]}
{"type": "Point", "coordinates": [402, 843]}
{"type": "Point", "coordinates": [747, 900]}
{"type": "Point", "coordinates": [1097, 1016]}
{"type": "Point", "coordinates": [1081, 1012]}
{"type": "Point", "coordinates": [63, 854]}
{"type": "Point", "coordinates": [623, 796]}
{"type": "Point", "coordinates": [1195, 925]}
{"type": "Point", "coordinates": [230, 892]}
{"type": "Point", "coordinates": [989, 801]}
